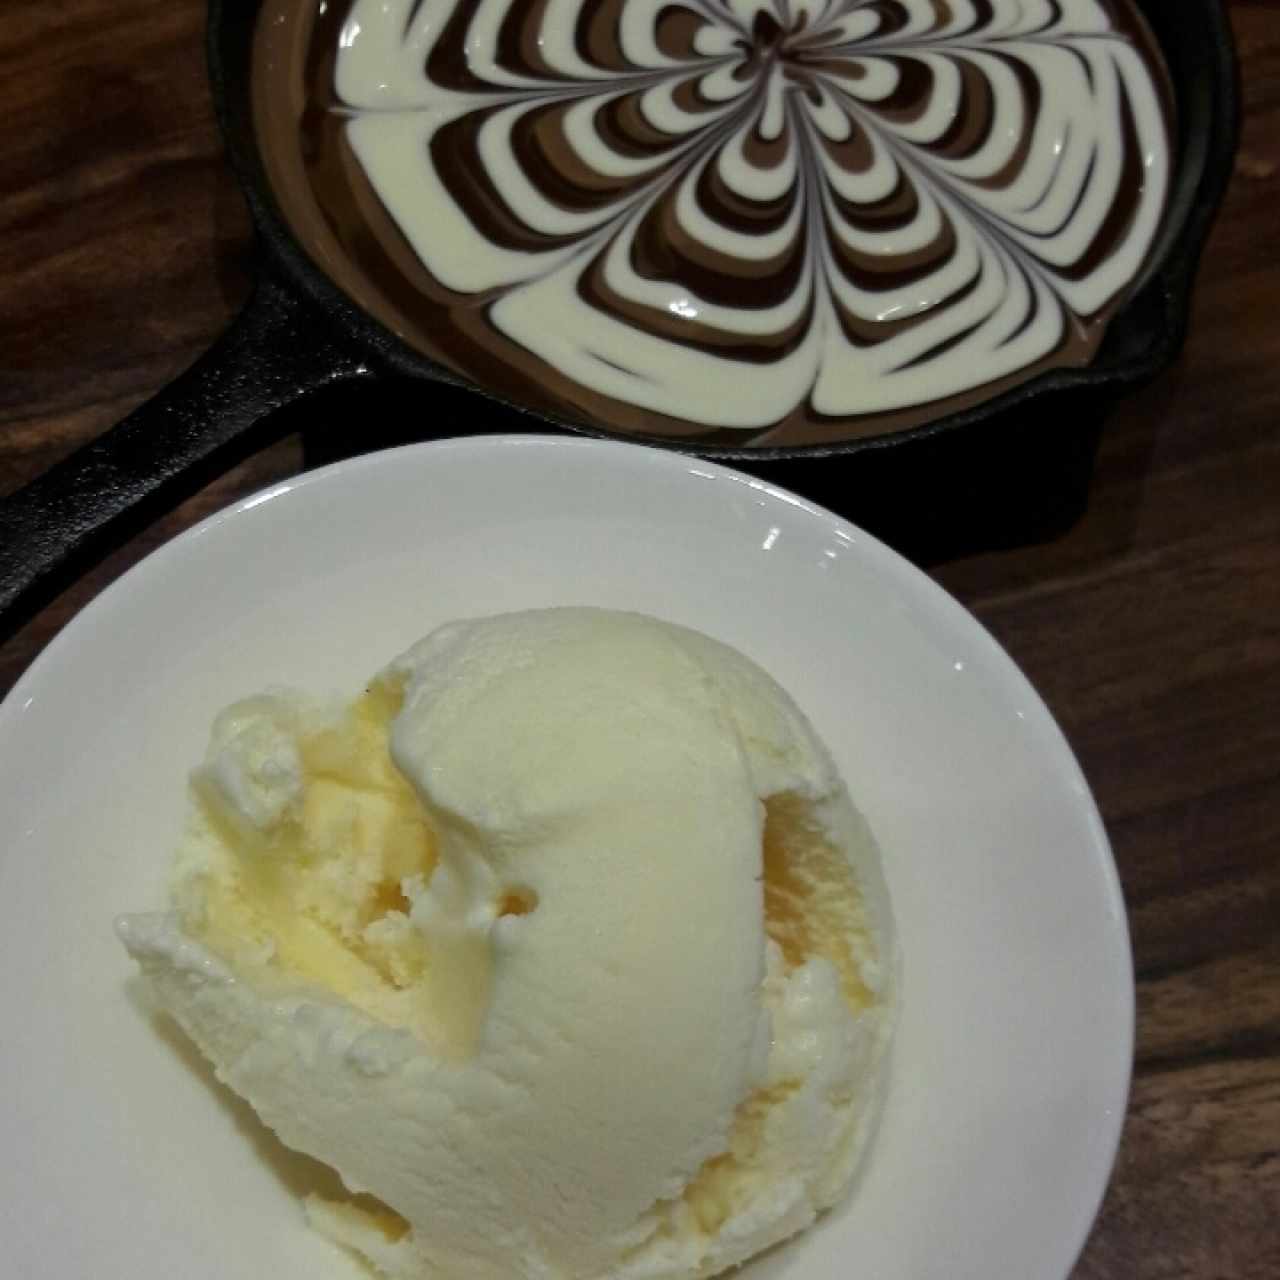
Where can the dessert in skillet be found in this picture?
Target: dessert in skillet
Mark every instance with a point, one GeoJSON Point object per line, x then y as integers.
{"type": "Point", "coordinates": [740, 221]}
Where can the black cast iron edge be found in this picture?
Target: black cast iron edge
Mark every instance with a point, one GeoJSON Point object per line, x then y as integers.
{"type": "Point", "coordinates": [298, 334]}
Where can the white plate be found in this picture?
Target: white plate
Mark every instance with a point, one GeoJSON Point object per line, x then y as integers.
{"type": "Point", "coordinates": [122, 1158]}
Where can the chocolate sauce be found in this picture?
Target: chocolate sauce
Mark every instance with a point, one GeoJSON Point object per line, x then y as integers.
{"type": "Point", "coordinates": [758, 224]}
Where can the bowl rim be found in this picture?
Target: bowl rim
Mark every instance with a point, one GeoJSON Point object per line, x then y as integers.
{"type": "Point", "coordinates": [886, 562]}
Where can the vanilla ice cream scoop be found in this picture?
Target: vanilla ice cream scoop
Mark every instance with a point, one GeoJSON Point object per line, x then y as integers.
{"type": "Point", "coordinates": [563, 943]}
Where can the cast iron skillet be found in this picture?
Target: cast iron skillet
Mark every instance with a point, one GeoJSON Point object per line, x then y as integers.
{"type": "Point", "coordinates": [299, 334]}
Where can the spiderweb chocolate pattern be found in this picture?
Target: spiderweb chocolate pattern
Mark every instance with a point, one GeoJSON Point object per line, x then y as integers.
{"type": "Point", "coordinates": [748, 219]}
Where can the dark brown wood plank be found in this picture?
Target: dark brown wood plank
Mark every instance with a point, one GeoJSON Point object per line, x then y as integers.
{"type": "Point", "coordinates": [1152, 628]}
{"type": "Point", "coordinates": [1153, 631]}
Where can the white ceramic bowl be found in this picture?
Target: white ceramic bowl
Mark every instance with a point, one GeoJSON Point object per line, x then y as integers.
{"type": "Point", "coordinates": [123, 1158]}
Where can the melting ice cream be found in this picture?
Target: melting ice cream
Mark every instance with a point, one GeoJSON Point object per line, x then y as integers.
{"type": "Point", "coordinates": [563, 942]}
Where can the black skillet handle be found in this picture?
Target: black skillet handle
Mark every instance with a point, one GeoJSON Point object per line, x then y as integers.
{"type": "Point", "coordinates": [278, 349]}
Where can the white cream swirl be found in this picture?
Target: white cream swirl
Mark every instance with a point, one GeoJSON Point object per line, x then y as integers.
{"type": "Point", "coordinates": [730, 212]}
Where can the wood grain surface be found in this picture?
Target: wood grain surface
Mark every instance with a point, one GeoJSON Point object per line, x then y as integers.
{"type": "Point", "coordinates": [1152, 628]}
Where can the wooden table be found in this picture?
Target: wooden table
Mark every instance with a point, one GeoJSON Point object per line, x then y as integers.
{"type": "Point", "coordinates": [1152, 628]}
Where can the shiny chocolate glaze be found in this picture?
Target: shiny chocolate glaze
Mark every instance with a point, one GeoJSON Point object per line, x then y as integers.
{"type": "Point", "coordinates": [742, 221]}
